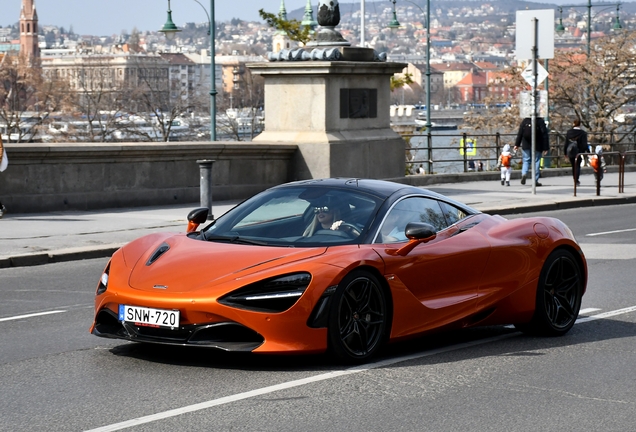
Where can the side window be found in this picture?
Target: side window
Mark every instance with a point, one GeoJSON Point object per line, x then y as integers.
{"type": "Point", "coordinates": [452, 213]}
{"type": "Point", "coordinates": [410, 210]}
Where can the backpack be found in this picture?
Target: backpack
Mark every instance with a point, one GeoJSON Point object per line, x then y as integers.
{"type": "Point", "coordinates": [505, 160]}
{"type": "Point", "coordinates": [595, 162]}
{"type": "Point", "coordinates": [573, 149]}
{"type": "Point", "coordinates": [527, 132]}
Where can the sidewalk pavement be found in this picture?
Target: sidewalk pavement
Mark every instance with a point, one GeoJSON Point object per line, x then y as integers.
{"type": "Point", "coordinates": [32, 239]}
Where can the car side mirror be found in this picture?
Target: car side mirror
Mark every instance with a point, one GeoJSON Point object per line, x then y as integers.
{"type": "Point", "coordinates": [420, 231]}
{"type": "Point", "coordinates": [196, 217]}
{"type": "Point", "coordinates": [416, 232]}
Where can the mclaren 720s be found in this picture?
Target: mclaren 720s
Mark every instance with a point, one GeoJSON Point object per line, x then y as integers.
{"type": "Point", "coordinates": [340, 265]}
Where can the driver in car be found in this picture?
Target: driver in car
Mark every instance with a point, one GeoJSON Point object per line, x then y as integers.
{"type": "Point", "coordinates": [328, 215]}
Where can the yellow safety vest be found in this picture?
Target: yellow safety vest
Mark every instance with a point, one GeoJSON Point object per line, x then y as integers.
{"type": "Point", "coordinates": [469, 147]}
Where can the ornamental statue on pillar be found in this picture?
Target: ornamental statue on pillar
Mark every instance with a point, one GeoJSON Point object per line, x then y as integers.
{"type": "Point", "coordinates": [328, 18]}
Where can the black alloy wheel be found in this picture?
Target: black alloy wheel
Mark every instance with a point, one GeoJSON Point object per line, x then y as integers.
{"type": "Point", "coordinates": [358, 317]}
{"type": "Point", "coordinates": [558, 296]}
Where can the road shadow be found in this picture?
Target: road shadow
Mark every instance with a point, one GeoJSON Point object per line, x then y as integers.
{"type": "Point", "coordinates": [441, 347]}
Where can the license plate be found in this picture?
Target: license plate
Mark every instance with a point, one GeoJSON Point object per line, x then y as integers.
{"type": "Point", "coordinates": [149, 317]}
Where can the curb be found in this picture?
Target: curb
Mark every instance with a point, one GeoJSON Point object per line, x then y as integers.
{"type": "Point", "coordinates": [58, 256]}
{"type": "Point", "coordinates": [563, 205]}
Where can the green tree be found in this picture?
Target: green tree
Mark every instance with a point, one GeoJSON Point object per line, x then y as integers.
{"type": "Point", "coordinates": [401, 80]}
{"type": "Point", "coordinates": [293, 28]}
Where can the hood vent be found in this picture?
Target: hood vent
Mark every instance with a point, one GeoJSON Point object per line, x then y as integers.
{"type": "Point", "coordinates": [156, 254]}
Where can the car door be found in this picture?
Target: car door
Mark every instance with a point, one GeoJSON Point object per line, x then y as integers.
{"type": "Point", "coordinates": [443, 274]}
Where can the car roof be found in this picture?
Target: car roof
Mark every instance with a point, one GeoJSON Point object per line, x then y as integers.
{"type": "Point", "coordinates": [380, 188]}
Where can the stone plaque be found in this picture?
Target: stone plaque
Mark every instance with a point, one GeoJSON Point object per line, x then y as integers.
{"type": "Point", "coordinates": [358, 103]}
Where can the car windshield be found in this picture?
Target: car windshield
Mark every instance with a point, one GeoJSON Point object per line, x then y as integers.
{"type": "Point", "coordinates": [303, 216]}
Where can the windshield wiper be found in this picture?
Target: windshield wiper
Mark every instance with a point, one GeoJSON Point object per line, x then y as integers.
{"type": "Point", "coordinates": [234, 239]}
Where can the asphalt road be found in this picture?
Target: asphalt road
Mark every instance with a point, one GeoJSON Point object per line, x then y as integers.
{"type": "Point", "coordinates": [55, 376]}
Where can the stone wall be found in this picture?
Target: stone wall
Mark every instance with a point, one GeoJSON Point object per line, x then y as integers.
{"type": "Point", "coordinates": [53, 177]}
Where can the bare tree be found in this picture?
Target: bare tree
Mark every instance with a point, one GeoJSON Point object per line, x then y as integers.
{"type": "Point", "coordinates": [99, 98]}
{"type": "Point", "coordinates": [243, 106]}
{"type": "Point", "coordinates": [26, 98]}
{"type": "Point", "coordinates": [596, 89]}
{"type": "Point", "coordinates": [154, 103]}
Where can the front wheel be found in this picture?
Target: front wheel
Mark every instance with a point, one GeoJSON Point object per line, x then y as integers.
{"type": "Point", "coordinates": [358, 319]}
{"type": "Point", "coordinates": [559, 295]}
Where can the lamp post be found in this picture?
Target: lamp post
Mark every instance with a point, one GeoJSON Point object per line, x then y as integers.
{"type": "Point", "coordinates": [362, 23]}
{"type": "Point", "coordinates": [395, 24]}
{"type": "Point", "coordinates": [170, 29]}
{"type": "Point", "coordinates": [560, 29]}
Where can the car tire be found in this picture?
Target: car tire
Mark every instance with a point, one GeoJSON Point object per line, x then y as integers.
{"type": "Point", "coordinates": [358, 318]}
{"type": "Point", "coordinates": [559, 294]}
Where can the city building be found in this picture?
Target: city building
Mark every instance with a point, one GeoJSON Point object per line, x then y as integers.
{"type": "Point", "coordinates": [29, 46]}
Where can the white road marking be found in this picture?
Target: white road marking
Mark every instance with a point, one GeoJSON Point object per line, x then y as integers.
{"type": "Point", "coordinates": [608, 251]}
{"type": "Point", "coordinates": [17, 317]}
{"type": "Point", "coordinates": [610, 232]}
{"type": "Point", "coordinates": [322, 377]}
{"type": "Point", "coordinates": [606, 314]}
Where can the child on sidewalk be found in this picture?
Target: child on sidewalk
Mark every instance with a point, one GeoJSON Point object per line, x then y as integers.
{"type": "Point", "coordinates": [504, 163]}
{"type": "Point", "coordinates": [597, 162]}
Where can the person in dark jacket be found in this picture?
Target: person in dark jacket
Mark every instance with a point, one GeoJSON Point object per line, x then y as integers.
{"type": "Point", "coordinates": [524, 140]}
{"type": "Point", "coordinates": [4, 161]}
{"type": "Point", "coordinates": [579, 136]}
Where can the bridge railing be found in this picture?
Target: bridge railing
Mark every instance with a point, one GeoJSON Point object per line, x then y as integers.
{"type": "Point", "coordinates": [459, 149]}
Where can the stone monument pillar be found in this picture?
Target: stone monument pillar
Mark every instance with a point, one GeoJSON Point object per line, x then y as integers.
{"type": "Point", "coordinates": [333, 102]}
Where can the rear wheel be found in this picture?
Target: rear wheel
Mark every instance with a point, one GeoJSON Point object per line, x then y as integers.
{"type": "Point", "coordinates": [358, 317]}
{"type": "Point", "coordinates": [559, 295]}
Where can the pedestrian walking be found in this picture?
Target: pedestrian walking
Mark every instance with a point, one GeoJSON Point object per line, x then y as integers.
{"type": "Point", "coordinates": [524, 140]}
{"type": "Point", "coordinates": [575, 143]}
{"type": "Point", "coordinates": [471, 165]}
{"type": "Point", "coordinates": [505, 165]}
{"type": "Point", "coordinates": [4, 162]}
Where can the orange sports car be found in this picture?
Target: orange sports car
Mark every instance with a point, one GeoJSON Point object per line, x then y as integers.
{"type": "Point", "coordinates": [345, 265]}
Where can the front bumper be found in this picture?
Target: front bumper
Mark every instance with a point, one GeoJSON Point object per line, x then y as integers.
{"type": "Point", "coordinates": [226, 336]}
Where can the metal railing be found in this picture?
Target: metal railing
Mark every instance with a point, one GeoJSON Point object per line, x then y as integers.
{"type": "Point", "coordinates": [598, 171]}
{"type": "Point", "coordinates": [451, 144]}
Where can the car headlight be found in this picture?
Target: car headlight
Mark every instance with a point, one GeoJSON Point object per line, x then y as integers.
{"type": "Point", "coordinates": [102, 286]}
{"type": "Point", "coordinates": [270, 295]}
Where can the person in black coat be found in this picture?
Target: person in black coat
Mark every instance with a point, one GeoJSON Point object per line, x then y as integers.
{"type": "Point", "coordinates": [3, 165]}
{"type": "Point", "coordinates": [524, 140]}
{"type": "Point", "coordinates": [576, 134]}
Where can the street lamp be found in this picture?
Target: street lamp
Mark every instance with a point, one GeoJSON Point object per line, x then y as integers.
{"type": "Point", "coordinates": [395, 24]}
{"type": "Point", "coordinates": [169, 29]}
{"type": "Point", "coordinates": [560, 29]}
{"type": "Point", "coordinates": [617, 24]}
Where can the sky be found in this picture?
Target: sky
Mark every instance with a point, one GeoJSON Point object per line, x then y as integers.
{"type": "Point", "coordinates": [109, 17]}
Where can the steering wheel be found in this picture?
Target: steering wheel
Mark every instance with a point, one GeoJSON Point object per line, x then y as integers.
{"type": "Point", "coordinates": [350, 229]}
{"type": "Point", "coordinates": [337, 233]}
